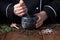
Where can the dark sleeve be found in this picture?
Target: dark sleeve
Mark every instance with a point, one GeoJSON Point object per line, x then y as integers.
{"type": "Point", "coordinates": [6, 8]}
{"type": "Point", "coordinates": [52, 9]}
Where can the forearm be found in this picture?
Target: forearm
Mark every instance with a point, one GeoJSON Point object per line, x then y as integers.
{"type": "Point", "coordinates": [52, 9]}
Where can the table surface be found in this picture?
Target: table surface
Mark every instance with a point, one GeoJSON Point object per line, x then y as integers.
{"type": "Point", "coordinates": [31, 34]}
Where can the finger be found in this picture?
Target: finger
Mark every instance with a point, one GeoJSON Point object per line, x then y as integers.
{"type": "Point", "coordinates": [21, 14]}
{"type": "Point", "coordinates": [21, 2]}
{"type": "Point", "coordinates": [17, 9]}
{"type": "Point", "coordinates": [20, 8]}
{"type": "Point", "coordinates": [17, 6]}
{"type": "Point", "coordinates": [39, 19]}
{"type": "Point", "coordinates": [39, 24]}
{"type": "Point", "coordinates": [14, 25]}
{"type": "Point", "coordinates": [21, 11]}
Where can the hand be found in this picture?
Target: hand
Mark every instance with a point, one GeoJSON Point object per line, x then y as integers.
{"type": "Point", "coordinates": [14, 25]}
{"type": "Point", "coordinates": [42, 16]}
{"type": "Point", "coordinates": [20, 9]}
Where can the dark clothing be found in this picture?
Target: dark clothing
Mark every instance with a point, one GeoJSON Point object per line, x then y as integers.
{"type": "Point", "coordinates": [52, 7]}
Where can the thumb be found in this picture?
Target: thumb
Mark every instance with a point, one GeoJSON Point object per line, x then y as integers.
{"type": "Point", "coordinates": [21, 1]}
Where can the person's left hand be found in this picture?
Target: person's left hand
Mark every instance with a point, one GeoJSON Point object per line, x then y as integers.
{"type": "Point", "coordinates": [42, 16]}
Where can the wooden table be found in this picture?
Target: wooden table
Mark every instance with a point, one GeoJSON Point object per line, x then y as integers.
{"type": "Point", "coordinates": [31, 35]}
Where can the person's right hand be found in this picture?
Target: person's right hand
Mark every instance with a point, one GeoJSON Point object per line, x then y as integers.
{"type": "Point", "coordinates": [20, 9]}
